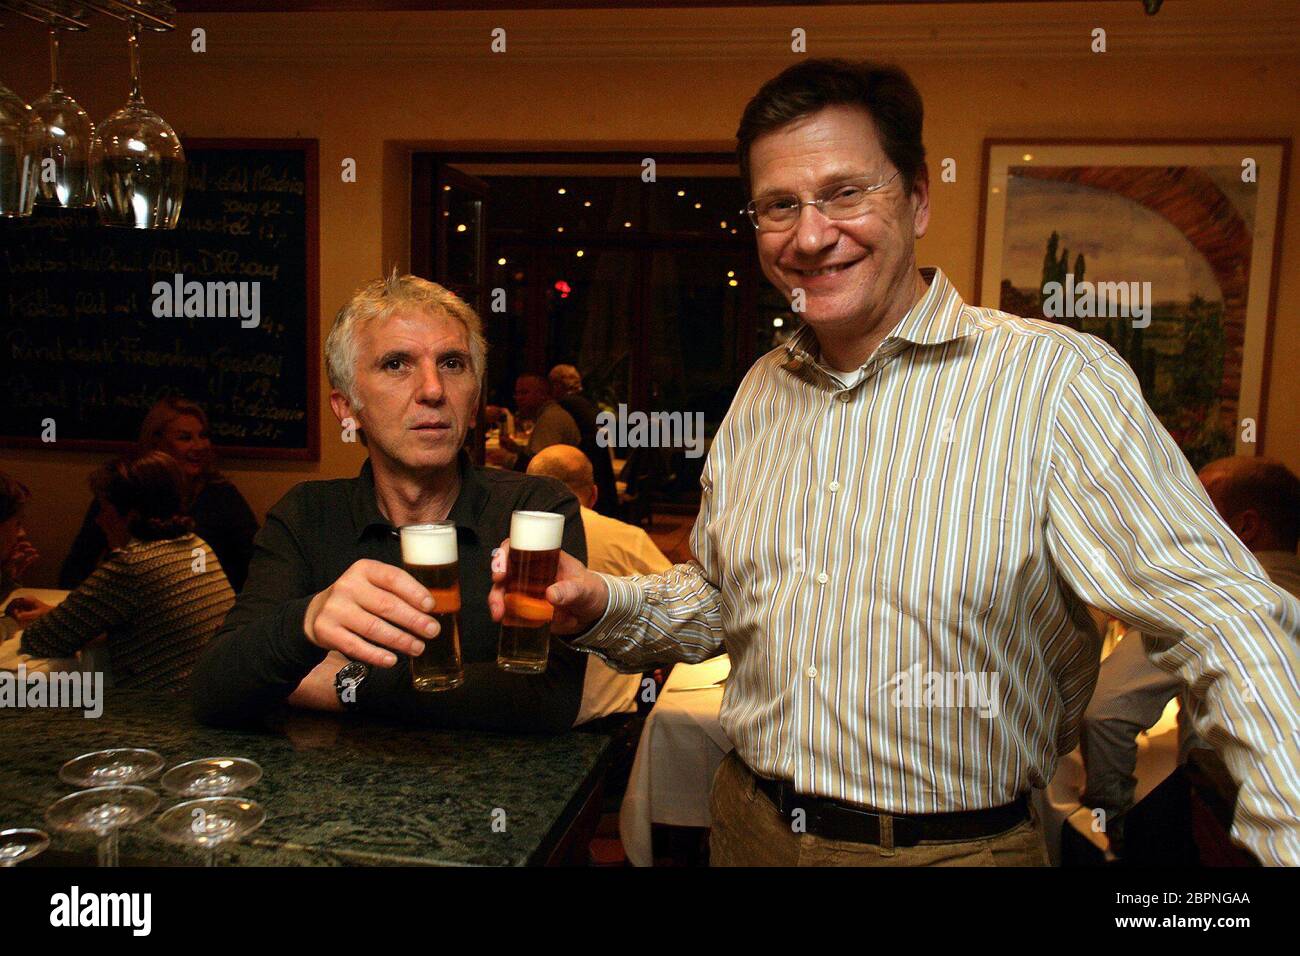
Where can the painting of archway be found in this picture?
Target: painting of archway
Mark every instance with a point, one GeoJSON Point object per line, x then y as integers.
{"type": "Point", "coordinates": [1165, 250]}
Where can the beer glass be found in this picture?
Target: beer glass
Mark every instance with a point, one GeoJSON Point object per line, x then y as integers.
{"type": "Point", "coordinates": [535, 540]}
{"type": "Point", "coordinates": [429, 555]}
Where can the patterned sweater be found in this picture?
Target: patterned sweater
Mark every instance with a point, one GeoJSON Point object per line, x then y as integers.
{"type": "Point", "coordinates": [157, 610]}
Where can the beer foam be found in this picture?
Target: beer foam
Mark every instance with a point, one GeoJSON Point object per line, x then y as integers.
{"type": "Point", "coordinates": [429, 544]}
{"type": "Point", "coordinates": [536, 531]}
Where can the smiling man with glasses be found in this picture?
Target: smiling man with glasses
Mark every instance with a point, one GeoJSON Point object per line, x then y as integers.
{"type": "Point", "coordinates": [902, 518]}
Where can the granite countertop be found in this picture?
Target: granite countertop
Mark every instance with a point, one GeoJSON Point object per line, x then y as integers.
{"type": "Point", "coordinates": [337, 790]}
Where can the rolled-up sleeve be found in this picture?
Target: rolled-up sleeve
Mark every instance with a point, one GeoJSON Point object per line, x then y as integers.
{"type": "Point", "coordinates": [1132, 531]}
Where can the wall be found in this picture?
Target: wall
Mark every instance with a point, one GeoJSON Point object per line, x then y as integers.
{"type": "Point", "coordinates": [370, 87]}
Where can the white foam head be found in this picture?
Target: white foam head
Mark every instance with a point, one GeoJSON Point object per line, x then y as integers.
{"type": "Point", "coordinates": [536, 531]}
{"type": "Point", "coordinates": [429, 544]}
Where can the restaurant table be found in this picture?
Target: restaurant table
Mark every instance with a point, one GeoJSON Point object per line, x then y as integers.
{"type": "Point", "coordinates": [11, 658]}
{"type": "Point", "coordinates": [682, 744]}
{"type": "Point", "coordinates": [1059, 805]}
{"type": "Point", "coordinates": [338, 789]}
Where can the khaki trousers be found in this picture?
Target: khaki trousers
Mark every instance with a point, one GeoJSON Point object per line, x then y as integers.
{"type": "Point", "coordinates": [749, 831]}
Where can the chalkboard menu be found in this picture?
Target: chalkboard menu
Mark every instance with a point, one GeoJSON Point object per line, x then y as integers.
{"type": "Point", "coordinates": [98, 323]}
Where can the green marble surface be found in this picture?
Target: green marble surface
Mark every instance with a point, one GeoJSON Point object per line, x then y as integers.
{"type": "Point", "coordinates": [338, 791]}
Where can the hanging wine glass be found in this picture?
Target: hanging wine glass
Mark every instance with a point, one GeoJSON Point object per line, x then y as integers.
{"type": "Point", "coordinates": [138, 165]}
{"type": "Point", "coordinates": [62, 135]}
{"type": "Point", "coordinates": [17, 162]}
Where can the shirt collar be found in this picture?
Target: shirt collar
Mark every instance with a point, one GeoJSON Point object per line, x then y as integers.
{"type": "Point", "coordinates": [465, 512]}
{"type": "Point", "coordinates": [940, 316]}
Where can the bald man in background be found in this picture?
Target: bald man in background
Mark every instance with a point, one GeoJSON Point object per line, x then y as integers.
{"type": "Point", "coordinates": [613, 547]}
{"type": "Point", "coordinates": [1259, 499]}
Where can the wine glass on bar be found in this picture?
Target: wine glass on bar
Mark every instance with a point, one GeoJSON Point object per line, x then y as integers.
{"type": "Point", "coordinates": [138, 163]}
{"type": "Point", "coordinates": [103, 811]}
{"type": "Point", "coordinates": [210, 822]}
{"type": "Point", "coordinates": [535, 541]}
{"type": "Point", "coordinates": [62, 133]}
{"type": "Point", "coordinates": [430, 556]}
{"type": "Point", "coordinates": [21, 844]}
{"type": "Point", "coordinates": [211, 777]}
{"type": "Point", "coordinates": [120, 765]}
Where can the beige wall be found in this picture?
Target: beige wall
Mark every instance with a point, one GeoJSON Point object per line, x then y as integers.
{"type": "Point", "coordinates": [367, 88]}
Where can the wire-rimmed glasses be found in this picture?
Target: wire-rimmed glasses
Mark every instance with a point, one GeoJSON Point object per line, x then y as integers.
{"type": "Point", "coordinates": [842, 200]}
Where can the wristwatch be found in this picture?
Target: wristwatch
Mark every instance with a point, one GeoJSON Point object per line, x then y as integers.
{"type": "Point", "coordinates": [348, 681]}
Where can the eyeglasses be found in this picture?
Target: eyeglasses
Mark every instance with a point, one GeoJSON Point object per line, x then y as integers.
{"type": "Point", "coordinates": [839, 201]}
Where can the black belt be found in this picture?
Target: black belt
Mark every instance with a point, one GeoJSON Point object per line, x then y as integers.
{"type": "Point", "coordinates": [834, 820]}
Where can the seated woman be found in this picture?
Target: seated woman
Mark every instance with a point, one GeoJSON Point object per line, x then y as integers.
{"type": "Point", "coordinates": [221, 516]}
{"type": "Point", "coordinates": [16, 551]}
{"type": "Point", "coordinates": [159, 595]}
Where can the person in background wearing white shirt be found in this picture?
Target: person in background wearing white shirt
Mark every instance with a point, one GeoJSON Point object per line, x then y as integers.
{"type": "Point", "coordinates": [1259, 499]}
{"type": "Point", "coordinates": [614, 548]}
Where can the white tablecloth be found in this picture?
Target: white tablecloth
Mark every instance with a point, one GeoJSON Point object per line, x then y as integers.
{"type": "Point", "coordinates": [681, 746]}
{"type": "Point", "coordinates": [10, 659]}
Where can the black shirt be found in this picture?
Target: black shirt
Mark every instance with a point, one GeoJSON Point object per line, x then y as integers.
{"type": "Point", "coordinates": [314, 534]}
{"type": "Point", "coordinates": [586, 414]}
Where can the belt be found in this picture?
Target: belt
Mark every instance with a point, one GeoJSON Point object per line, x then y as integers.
{"type": "Point", "coordinates": [834, 820]}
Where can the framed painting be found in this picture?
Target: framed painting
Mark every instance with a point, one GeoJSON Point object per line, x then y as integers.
{"type": "Point", "coordinates": [1167, 249]}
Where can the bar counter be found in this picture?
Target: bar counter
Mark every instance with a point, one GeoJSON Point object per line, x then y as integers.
{"type": "Point", "coordinates": [337, 789]}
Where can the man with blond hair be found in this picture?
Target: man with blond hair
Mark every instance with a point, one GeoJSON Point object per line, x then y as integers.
{"type": "Point", "coordinates": [328, 616]}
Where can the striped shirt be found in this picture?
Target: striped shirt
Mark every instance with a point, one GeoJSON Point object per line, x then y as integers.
{"type": "Point", "coordinates": [899, 570]}
{"type": "Point", "coordinates": [157, 610]}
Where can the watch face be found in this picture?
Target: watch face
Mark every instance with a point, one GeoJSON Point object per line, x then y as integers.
{"type": "Point", "coordinates": [352, 671]}
{"type": "Point", "coordinates": [347, 680]}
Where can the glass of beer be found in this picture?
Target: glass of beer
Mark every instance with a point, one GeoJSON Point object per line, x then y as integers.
{"type": "Point", "coordinates": [535, 540]}
{"type": "Point", "coordinates": [429, 555]}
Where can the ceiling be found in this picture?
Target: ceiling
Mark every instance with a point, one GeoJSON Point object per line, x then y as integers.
{"type": "Point", "coordinates": [362, 6]}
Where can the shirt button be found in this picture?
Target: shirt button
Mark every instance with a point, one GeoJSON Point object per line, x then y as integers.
{"type": "Point", "coordinates": [823, 578]}
{"type": "Point", "coordinates": [811, 672]}
{"type": "Point", "coordinates": [834, 486]}
{"type": "Point", "coordinates": [844, 396]}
